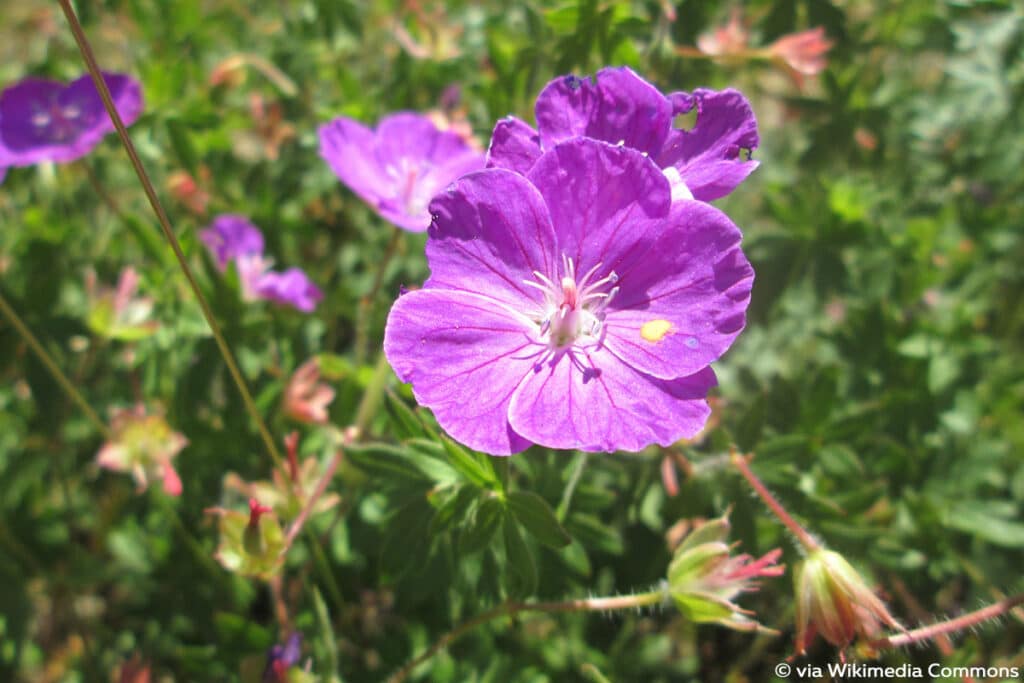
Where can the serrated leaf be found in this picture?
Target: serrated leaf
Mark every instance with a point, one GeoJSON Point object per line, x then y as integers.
{"type": "Point", "coordinates": [534, 513]}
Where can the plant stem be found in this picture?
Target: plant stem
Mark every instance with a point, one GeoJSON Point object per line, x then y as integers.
{"type": "Point", "coordinates": [511, 608]}
{"type": "Point", "coordinates": [51, 366]}
{"type": "Point", "coordinates": [372, 396]}
{"type": "Point", "coordinates": [808, 542]}
{"type": "Point", "coordinates": [951, 626]}
{"type": "Point", "coordinates": [100, 189]}
{"type": "Point", "coordinates": [580, 462]}
{"type": "Point", "coordinates": [365, 304]}
{"type": "Point", "coordinates": [165, 225]}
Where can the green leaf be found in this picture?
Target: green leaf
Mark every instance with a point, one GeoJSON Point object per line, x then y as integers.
{"type": "Point", "coordinates": [534, 513]}
{"type": "Point", "coordinates": [522, 566]}
{"type": "Point", "coordinates": [475, 467]}
{"type": "Point", "coordinates": [483, 526]}
{"type": "Point", "coordinates": [595, 534]}
{"type": "Point", "coordinates": [385, 461]}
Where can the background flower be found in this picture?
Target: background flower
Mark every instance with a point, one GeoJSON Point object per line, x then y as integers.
{"type": "Point", "coordinates": [399, 167]}
{"type": "Point", "coordinates": [43, 120]}
{"type": "Point", "coordinates": [575, 307]}
{"type": "Point", "coordinates": [618, 107]}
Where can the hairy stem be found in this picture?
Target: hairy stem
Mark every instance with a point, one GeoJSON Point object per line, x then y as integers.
{"type": "Point", "coordinates": [511, 608]}
{"type": "Point", "coordinates": [69, 388]}
{"type": "Point", "coordinates": [942, 628]}
{"type": "Point", "coordinates": [806, 540]}
{"type": "Point", "coordinates": [165, 225]}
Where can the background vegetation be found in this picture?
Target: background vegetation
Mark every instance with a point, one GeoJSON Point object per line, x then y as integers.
{"type": "Point", "coordinates": [880, 380]}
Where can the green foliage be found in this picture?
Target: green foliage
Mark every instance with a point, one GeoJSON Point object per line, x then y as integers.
{"type": "Point", "coordinates": [880, 379]}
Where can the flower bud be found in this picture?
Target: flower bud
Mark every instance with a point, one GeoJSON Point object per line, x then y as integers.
{"type": "Point", "coordinates": [704, 577]}
{"type": "Point", "coordinates": [143, 444]}
{"type": "Point", "coordinates": [832, 599]}
{"type": "Point", "coordinates": [250, 545]}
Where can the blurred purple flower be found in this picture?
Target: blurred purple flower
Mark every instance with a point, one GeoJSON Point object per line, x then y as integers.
{"type": "Point", "coordinates": [619, 107]}
{"type": "Point", "coordinates": [291, 287]}
{"type": "Point", "coordinates": [232, 238]}
{"type": "Point", "coordinates": [281, 658]}
{"type": "Point", "coordinates": [43, 120]}
{"type": "Point", "coordinates": [577, 306]}
{"type": "Point", "coordinates": [398, 168]}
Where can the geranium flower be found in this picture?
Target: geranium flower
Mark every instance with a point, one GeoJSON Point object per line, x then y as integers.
{"type": "Point", "coordinates": [398, 168]}
{"type": "Point", "coordinates": [574, 307]}
{"type": "Point", "coordinates": [292, 287]}
{"type": "Point", "coordinates": [43, 120]}
{"type": "Point", "coordinates": [233, 238]}
{"type": "Point", "coordinates": [621, 108]}
{"type": "Point", "coordinates": [143, 444]}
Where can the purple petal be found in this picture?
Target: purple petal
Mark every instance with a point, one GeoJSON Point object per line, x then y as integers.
{"type": "Point", "coordinates": [491, 231]}
{"type": "Point", "coordinates": [400, 167]}
{"type": "Point", "coordinates": [682, 306]}
{"type": "Point", "coordinates": [617, 107]}
{"type": "Point", "coordinates": [602, 200]}
{"type": "Point", "coordinates": [708, 157]}
{"type": "Point", "coordinates": [514, 145]}
{"type": "Point", "coordinates": [591, 401]}
{"type": "Point", "coordinates": [350, 149]}
{"type": "Point", "coordinates": [230, 236]}
{"type": "Point", "coordinates": [292, 287]}
{"type": "Point", "coordinates": [43, 120]}
{"type": "Point", "coordinates": [464, 355]}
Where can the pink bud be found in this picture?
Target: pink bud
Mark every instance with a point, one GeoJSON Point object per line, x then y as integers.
{"type": "Point", "coordinates": [803, 52]}
{"type": "Point", "coordinates": [306, 398]}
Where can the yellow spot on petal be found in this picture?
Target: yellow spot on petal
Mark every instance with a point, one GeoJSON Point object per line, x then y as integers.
{"type": "Point", "coordinates": [655, 330]}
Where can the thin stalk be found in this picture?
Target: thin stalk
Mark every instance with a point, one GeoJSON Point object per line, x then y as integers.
{"type": "Point", "coordinates": [165, 226]}
{"type": "Point", "coordinates": [100, 189]}
{"type": "Point", "coordinates": [51, 366]}
{"type": "Point", "coordinates": [621, 602]}
{"type": "Point", "coordinates": [942, 628]}
{"type": "Point", "coordinates": [366, 302]}
{"type": "Point", "coordinates": [372, 396]}
{"type": "Point", "coordinates": [580, 462]}
{"type": "Point", "coordinates": [806, 540]}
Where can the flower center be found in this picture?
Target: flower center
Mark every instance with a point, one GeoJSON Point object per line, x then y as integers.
{"type": "Point", "coordinates": [575, 307]}
{"type": "Point", "coordinates": [408, 177]}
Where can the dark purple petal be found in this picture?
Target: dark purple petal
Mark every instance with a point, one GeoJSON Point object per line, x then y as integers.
{"type": "Point", "coordinates": [400, 167]}
{"type": "Point", "coordinates": [292, 287]}
{"type": "Point", "coordinates": [230, 236]}
{"type": "Point", "coordinates": [43, 120]}
{"type": "Point", "coordinates": [491, 231]}
{"type": "Point", "coordinates": [514, 145]}
{"type": "Point", "coordinates": [683, 306]}
{"type": "Point", "coordinates": [464, 355]}
{"type": "Point", "coordinates": [709, 157]}
{"type": "Point", "coordinates": [617, 107]}
{"type": "Point", "coordinates": [601, 199]}
{"type": "Point", "coordinates": [590, 400]}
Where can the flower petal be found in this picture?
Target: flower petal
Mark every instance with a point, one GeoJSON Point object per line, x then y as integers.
{"type": "Point", "coordinates": [349, 148]}
{"type": "Point", "coordinates": [292, 287]}
{"type": "Point", "coordinates": [590, 400]}
{"type": "Point", "coordinates": [617, 107]}
{"type": "Point", "coordinates": [464, 355]}
{"type": "Point", "coordinates": [514, 145]}
{"type": "Point", "coordinates": [708, 156]}
{"type": "Point", "coordinates": [491, 231]}
{"type": "Point", "coordinates": [682, 306]}
{"type": "Point", "coordinates": [602, 200]}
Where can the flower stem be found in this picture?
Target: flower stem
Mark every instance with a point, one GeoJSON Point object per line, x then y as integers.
{"type": "Point", "coordinates": [806, 540]}
{"type": "Point", "coordinates": [953, 625]}
{"type": "Point", "coordinates": [365, 304]}
{"type": "Point", "coordinates": [511, 608]}
{"type": "Point", "coordinates": [165, 225]}
{"type": "Point", "coordinates": [101, 190]}
{"type": "Point", "coordinates": [51, 366]}
{"type": "Point", "coordinates": [580, 462]}
{"type": "Point", "coordinates": [372, 396]}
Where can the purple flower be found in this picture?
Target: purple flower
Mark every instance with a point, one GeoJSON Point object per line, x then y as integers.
{"type": "Point", "coordinates": [232, 238]}
{"type": "Point", "coordinates": [398, 168]}
{"type": "Point", "coordinates": [292, 287]}
{"type": "Point", "coordinates": [577, 306]}
{"type": "Point", "coordinates": [42, 120]}
{"type": "Point", "coordinates": [621, 108]}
